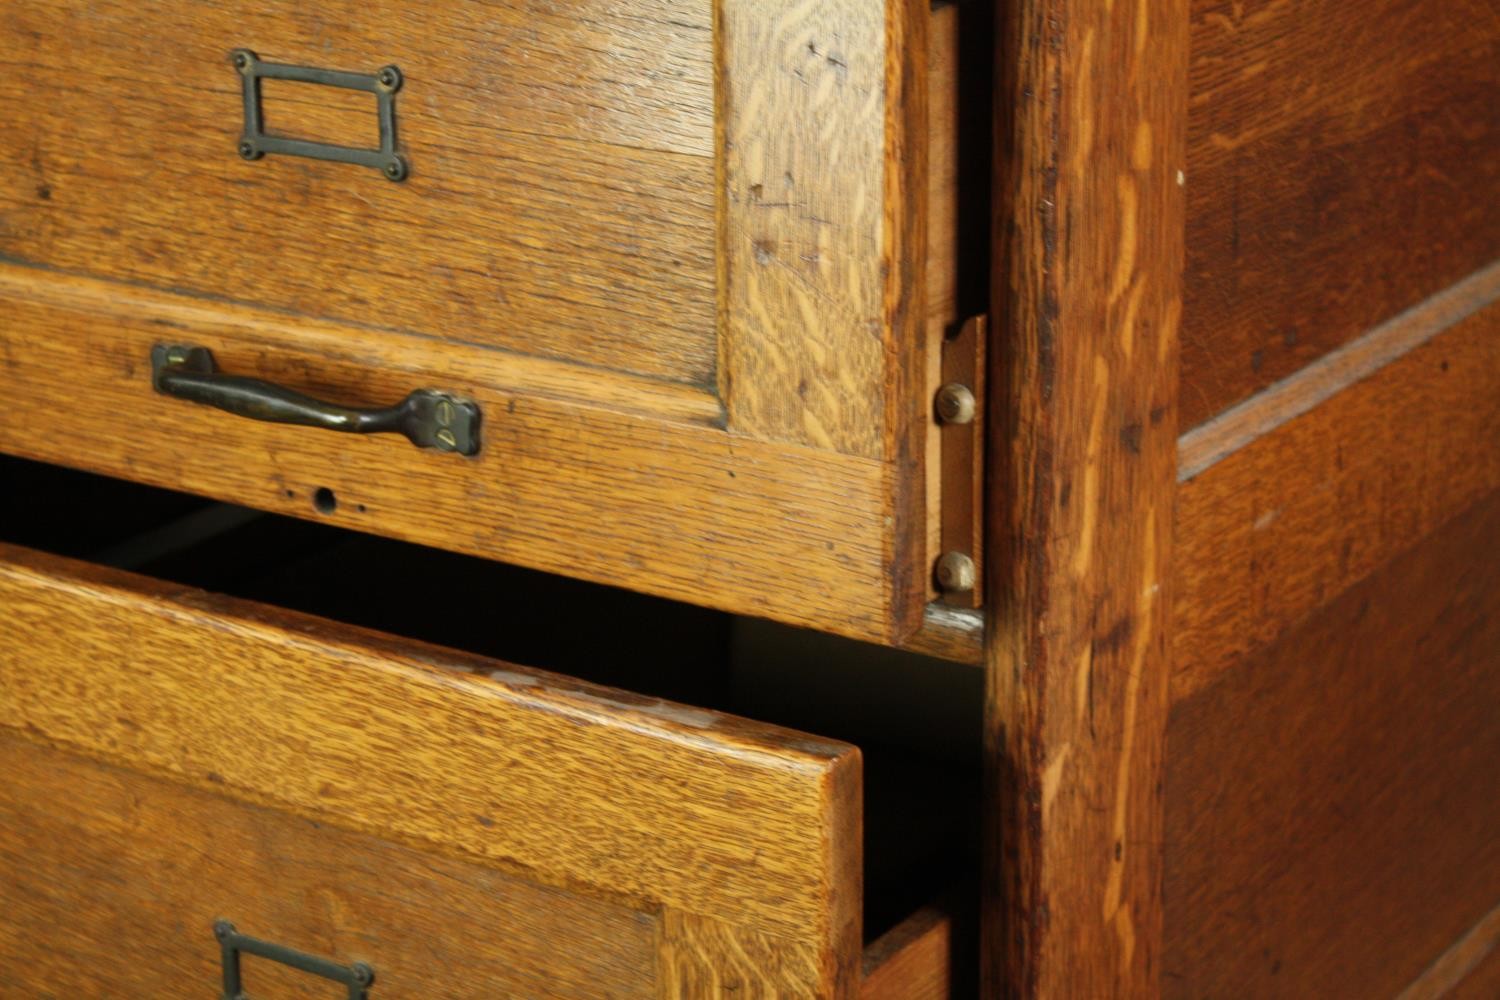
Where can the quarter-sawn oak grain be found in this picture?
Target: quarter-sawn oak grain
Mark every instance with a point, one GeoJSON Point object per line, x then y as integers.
{"type": "Point", "coordinates": [746, 838]}
{"type": "Point", "coordinates": [669, 505]}
{"type": "Point", "coordinates": [1085, 291]}
{"type": "Point", "coordinates": [1287, 523]}
{"type": "Point", "coordinates": [562, 184]}
{"type": "Point", "coordinates": [1343, 161]}
{"type": "Point", "coordinates": [1331, 807]}
{"type": "Point", "coordinates": [113, 880]}
{"type": "Point", "coordinates": [743, 246]}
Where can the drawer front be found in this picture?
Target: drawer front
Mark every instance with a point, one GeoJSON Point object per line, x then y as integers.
{"type": "Point", "coordinates": [115, 879]}
{"type": "Point", "coordinates": [560, 185]}
{"type": "Point", "coordinates": [695, 348]}
{"type": "Point", "coordinates": [455, 823]}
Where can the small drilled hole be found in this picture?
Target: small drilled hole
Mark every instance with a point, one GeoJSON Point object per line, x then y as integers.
{"type": "Point", "coordinates": [325, 501]}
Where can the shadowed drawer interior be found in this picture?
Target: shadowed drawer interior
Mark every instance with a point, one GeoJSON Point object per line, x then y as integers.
{"type": "Point", "coordinates": [209, 716]}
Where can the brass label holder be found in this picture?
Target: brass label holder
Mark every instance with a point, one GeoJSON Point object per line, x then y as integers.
{"type": "Point", "coordinates": [232, 944]}
{"type": "Point", "coordinates": [383, 83]}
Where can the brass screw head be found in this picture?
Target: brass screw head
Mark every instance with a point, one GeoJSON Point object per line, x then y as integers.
{"type": "Point", "coordinates": [955, 404]}
{"type": "Point", "coordinates": [955, 573]}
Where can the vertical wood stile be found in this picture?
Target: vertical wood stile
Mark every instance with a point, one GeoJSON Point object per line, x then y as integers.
{"type": "Point", "coordinates": [1086, 280]}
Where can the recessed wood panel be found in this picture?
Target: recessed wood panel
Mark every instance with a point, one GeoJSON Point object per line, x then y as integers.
{"type": "Point", "coordinates": [1342, 165]}
{"type": "Point", "coordinates": [1284, 524]}
{"type": "Point", "coordinates": [561, 199]}
{"type": "Point", "coordinates": [1331, 806]}
{"type": "Point", "coordinates": [112, 882]}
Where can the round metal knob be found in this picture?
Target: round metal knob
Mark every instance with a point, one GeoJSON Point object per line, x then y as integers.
{"type": "Point", "coordinates": [955, 573]}
{"type": "Point", "coordinates": [955, 404]}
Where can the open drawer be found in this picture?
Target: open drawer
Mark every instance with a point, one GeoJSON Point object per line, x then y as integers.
{"type": "Point", "coordinates": [668, 255]}
{"type": "Point", "coordinates": [462, 826]}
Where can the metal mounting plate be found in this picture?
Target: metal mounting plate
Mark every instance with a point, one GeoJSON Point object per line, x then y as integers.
{"type": "Point", "coordinates": [383, 83]}
{"type": "Point", "coordinates": [357, 978]}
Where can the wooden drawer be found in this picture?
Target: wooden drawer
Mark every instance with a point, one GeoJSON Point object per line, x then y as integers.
{"type": "Point", "coordinates": [464, 826]}
{"type": "Point", "coordinates": [673, 250]}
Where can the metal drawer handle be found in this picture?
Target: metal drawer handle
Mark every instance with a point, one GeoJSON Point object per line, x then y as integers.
{"type": "Point", "coordinates": [357, 977]}
{"type": "Point", "coordinates": [428, 418]}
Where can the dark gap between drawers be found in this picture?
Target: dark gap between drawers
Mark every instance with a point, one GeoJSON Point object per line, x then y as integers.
{"type": "Point", "coordinates": [917, 721]}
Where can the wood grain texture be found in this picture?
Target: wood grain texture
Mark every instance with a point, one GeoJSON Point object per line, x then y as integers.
{"type": "Point", "coordinates": [941, 294]}
{"type": "Point", "coordinates": [906, 413]}
{"type": "Point", "coordinates": [1333, 373]}
{"type": "Point", "coordinates": [1330, 805]}
{"type": "Point", "coordinates": [949, 633]}
{"type": "Point", "coordinates": [962, 457]}
{"type": "Point", "coordinates": [752, 834]}
{"type": "Point", "coordinates": [1288, 522]}
{"type": "Point", "coordinates": [562, 169]}
{"type": "Point", "coordinates": [687, 257]}
{"type": "Point", "coordinates": [1342, 160]}
{"type": "Point", "coordinates": [112, 881]}
{"type": "Point", "coordinates": [703, 957]}
{"type": "Point", "coordinates": [946, 103]}
{"type": "Point", "coordinates": [1482, 982]}
{"type": "Point", "coordinates": [821, 233]}
{"type": "Point", "coordinates": [913, 960]}
{"type": "Point", "coordinates": [1088, 238]}
{"type": "Point", "coordinates": [1462, 970]}
{"type": "Point", "coordinates": [672, 506]}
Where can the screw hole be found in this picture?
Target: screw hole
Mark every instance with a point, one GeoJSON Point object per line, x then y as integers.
{"type": "Point", "coordinates": [325, 501]}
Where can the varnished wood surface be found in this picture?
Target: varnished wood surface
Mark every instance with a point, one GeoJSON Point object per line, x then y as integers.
{"type": "Point", "coordinates": [820, 268]}
{"type": "Point", "coordinates": [684, 257]}
{"type": "Point", "coordinates": [561, 201]}
{"type": "Point", "coordinates": [605, 492]}
{"type": "Point", "coordinates": [1330, 804]}
{"type": "Point", "coordinates": [1089, 216]}
{"type": "Point", "coordinates": [1342, 166]}
{"type": "Point", "coordinates": [1288, 522]}
{"type": "Point", "coordinates": [1482, 982]}
{"type": "Point", "coordinates": [1335, 372]}
{"type": "Point", "coordinates": [912, 961]}
{"type": "Point", "coordinates": [942, 265]}
{"type": "Point", "coordinates": [1470, 968]}
{"type": "Point", "coordinates": [945, 107]}
{"type": "Point", "coordinates": [1352, 433]}
{"type": "Point", "coordinates": [746, 837]}
{"type": "Point", "coordinates": [112, 881]}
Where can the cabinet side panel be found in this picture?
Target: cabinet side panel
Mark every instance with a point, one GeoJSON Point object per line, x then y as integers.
{"type": "Point", "coordinates": [1343, 163]}
{"type": "Point", "coordinates": [1331, 803]}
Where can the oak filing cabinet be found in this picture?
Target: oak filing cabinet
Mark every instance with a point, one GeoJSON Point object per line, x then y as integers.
{"type": "Point", "coordinates": [1082, 415]}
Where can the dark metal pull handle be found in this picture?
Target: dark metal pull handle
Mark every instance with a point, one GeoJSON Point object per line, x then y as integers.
{"type": "Point", "coordinates": [356, 977]}
{"type": "Point", "coordinates": [428, 418]}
